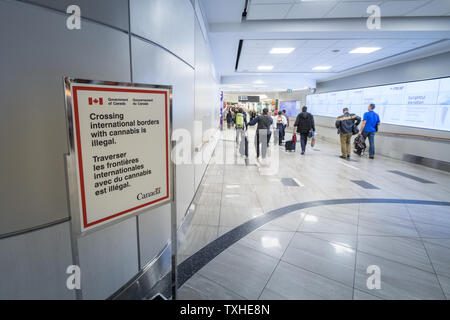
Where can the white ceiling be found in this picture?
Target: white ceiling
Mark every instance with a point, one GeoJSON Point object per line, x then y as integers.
{"type": "Point", "coordinates": [311, 53]}
{"type": "Point", "coordinates": [411, 29]}
{"type": "Point", "coordinates": [317, 9]}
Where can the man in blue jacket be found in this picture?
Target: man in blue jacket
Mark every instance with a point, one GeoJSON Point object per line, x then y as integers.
{"type": "Point", "coordinates": [369, 126]}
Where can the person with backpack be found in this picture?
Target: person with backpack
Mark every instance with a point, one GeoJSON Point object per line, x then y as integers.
{"type": "Point", "coordinates": [281, 122]}
{"type": "Point", "coordinates": [369, 126]}
{"type": "Point", "coordinates": [347, 125]}
{"type": "Point", "coordinates": [262, 136]}
{"type": "Point", "coordinates": [241, 125]}
{"type": "Point", "coordinates": [305, 127]}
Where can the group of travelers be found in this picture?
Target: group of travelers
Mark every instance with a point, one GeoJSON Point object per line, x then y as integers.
{"type": "Point", "coordinates": [346, 124]}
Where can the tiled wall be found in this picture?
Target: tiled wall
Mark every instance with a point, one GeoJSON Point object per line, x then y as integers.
{"type": "Point", "coordinates": [37, 52]}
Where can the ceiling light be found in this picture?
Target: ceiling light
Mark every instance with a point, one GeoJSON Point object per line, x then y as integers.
{"type": "Point", "coordinates": [281, 50]}
{"type": "Point", "coordinates": [258, 81]}
{"type": "Point", "coordinates": [322, 68]}
{"type": "Point", "coordinates": [365, 50]}
{"type": "Point", "coordinates": [265, 67]}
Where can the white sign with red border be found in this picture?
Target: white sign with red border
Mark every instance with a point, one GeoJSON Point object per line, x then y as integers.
{"type": "Point", "coordinates": [121, 137]}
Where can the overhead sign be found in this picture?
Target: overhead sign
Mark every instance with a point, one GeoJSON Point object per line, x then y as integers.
{"type": "Point", "coordinates": [248, 98]}
{"type": "Point", "coordinates": [121, 138]}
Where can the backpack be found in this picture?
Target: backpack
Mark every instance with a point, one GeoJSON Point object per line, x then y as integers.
{"type": "Point", "coordinates": [239, 120]}
{"type": "Point", "coordinates": [360, 145]}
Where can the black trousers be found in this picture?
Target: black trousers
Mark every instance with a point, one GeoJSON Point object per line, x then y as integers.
{"type": "Point", "coordinates": [280, 128]}
{"type": "Point", "coordinates": [303, 141]}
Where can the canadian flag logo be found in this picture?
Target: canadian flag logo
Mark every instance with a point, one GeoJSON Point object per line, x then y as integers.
{"type": "Point", "coordinates": [98, 101]}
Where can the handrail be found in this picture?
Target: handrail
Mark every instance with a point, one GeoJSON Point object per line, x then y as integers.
{"type": "Point", "coordinates": [401, 134]}
{"type": "Point", "coordinates": [414, 135]}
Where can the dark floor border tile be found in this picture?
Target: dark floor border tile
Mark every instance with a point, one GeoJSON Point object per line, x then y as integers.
{"type": "Point", "coordinates": [410, 176]}
{"type": "Point", "coordinates": [198, 260]}
{"type": "Point", "coordinates": [289, 182]}
{"type": "Point", "coordinates": [427, 162]}
{"type": "Point", "coordinates": [364, 184]}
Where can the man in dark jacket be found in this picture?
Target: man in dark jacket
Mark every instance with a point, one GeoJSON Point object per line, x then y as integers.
{"type": "Point", "coordinates": [262, 135]}
{"type": "Point", "coordinates": [229, 118]}
{"type": "Point", "coordinates": [304, 124]}
{"type": "Point", "coordinates": [347, 126]}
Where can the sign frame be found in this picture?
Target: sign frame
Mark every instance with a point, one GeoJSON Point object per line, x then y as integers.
{"type": "Point", "coordinates": [75, 186]}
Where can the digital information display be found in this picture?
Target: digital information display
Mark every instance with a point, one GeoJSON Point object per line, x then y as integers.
{"type": "Point", "coordinates": [292, 107]}
{"type": "Point", "coordinates": [421, 104]}
{"type": "Point", "coordinates": [121, 140]}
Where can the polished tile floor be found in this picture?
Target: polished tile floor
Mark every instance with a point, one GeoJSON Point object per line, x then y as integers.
{"type": "Point", "coordinates": [322, 252]}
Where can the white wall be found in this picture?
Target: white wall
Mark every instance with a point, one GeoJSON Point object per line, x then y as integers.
{"type": "Point", "coordinates": [35, 246]}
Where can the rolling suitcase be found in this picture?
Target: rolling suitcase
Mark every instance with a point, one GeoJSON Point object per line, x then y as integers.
{"type": "Point", "coordinates": [290, 145]}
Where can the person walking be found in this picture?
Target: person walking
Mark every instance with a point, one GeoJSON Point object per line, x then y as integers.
{"type": "Point", "coordinates": [369, 126]}
{"type": "Point", "coordinates": [305, 126]}
{"type": "Point", "coordinates": [241, 124]}
{"type": "Point", "coordinates": [229, 118]}
{"type": "Point", "coordinates": [272, 127]}
{"type": "Point", "coordinates": [262, 136]}
{"type": "Point", "coordinates": [281, 122]}
{"type": "Point", "coordinates": [347, 126]}
{"type": "Point", "coordinates": [287, 120]}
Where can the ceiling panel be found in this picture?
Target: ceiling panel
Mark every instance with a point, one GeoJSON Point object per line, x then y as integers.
{"type": "Point", "coordinates": [220, 11]}
{"type": "Point", "coordinates": [311, 53]}
{"type": "Point", "coordinates": [272, 1]}
{"type": "Point", "coordinates": [267, 11]}
{"type": "Point", "coordinates": [434, 8]}
{"type": "Point", "coordinates": [400, 8]}
{"type": "Point", "coordinates": [316, 9]}
{"type": "Point", "coordinates": [355, 9]}
{"type": "Point", "coordinates": [320, 43]}
{"type": "Point", "coordinates": [310, 9]}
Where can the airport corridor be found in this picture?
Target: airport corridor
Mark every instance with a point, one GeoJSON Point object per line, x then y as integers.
{"type": "Point", "coordinates": [316, 229]}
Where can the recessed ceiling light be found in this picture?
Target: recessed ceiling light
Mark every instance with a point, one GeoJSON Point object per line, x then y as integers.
{"type": "Point", "coordinates": [365, 50]}
{"type": "Point", "coordinates": [281, 50]}
{"type": "Point", "coordinates": [322, 68]}
{"type": "Point", "coordinates": [265, 67]}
